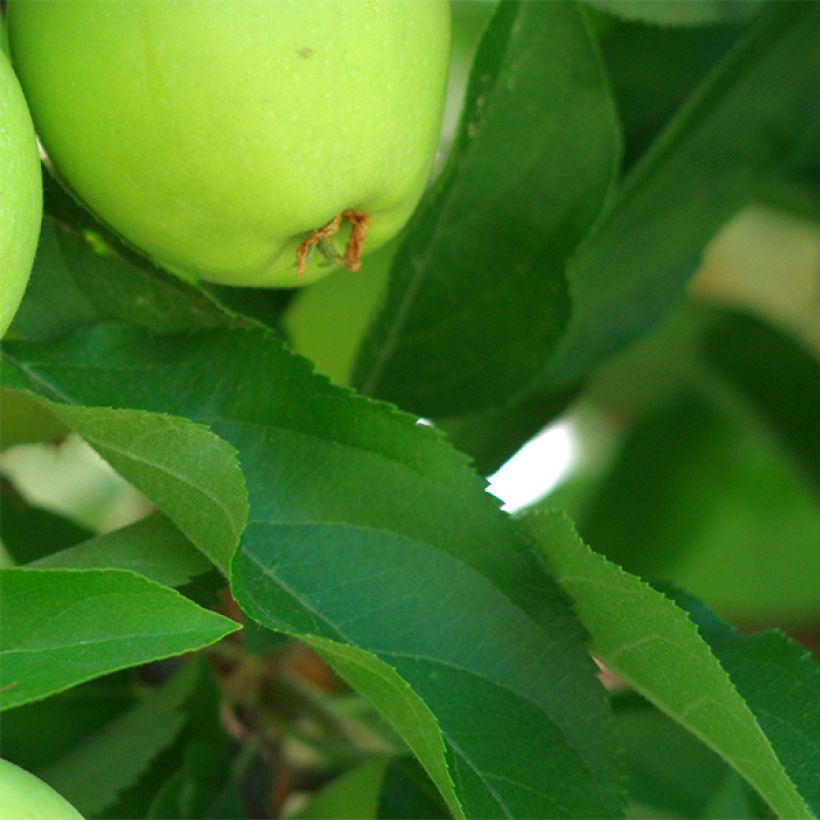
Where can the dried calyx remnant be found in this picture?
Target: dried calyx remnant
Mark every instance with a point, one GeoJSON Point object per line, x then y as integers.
{"type": "Point", "coordinates": [351, 258]}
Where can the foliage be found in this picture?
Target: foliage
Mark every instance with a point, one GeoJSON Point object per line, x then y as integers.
{"type": "Point", "coordinates": [321, 611]}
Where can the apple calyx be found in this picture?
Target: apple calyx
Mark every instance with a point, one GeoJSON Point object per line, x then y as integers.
{"type": "Point", "coordinates": [321, 237]}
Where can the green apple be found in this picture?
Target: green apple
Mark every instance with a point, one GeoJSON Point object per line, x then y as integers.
{"type": "Point", "coordinates": [21, 195]}
{"type": "Point", "coordinates": [226, 139]}
{"type": "Point", "coordinates": [25, 797]}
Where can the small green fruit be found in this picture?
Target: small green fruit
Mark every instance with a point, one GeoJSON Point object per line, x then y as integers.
{"type": "Point", "coordinates": [21, 205]}
{"type": "Point", "coordinates": [220, 137]}
{"type": "Point", "coordinates": [25, 797]}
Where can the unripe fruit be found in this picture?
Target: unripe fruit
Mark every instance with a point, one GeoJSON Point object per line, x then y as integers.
{"type": "Point", "coordinates": [218, 137]}
{"type": "Point", "coordinates": [20, 194]}
{"type": "Point", "coordinates": [25, 797]}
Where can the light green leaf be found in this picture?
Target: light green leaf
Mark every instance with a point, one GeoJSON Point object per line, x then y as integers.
{"type": "Point", "coordinates": [654, 645]}
{"type": "Point", "coordinates": [189, 473]}
{"type": "Point", "coordinates": [152, 547]}
{"type": "Point", "coordinates": [405, 710]}
{"type": "Point", "coordinates": [63, 627]}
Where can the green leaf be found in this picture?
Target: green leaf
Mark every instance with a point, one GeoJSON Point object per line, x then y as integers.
{"type": "Point", "coordinates": [777, 379]}
{"type": "Point", "coordinates": [654, 645]}
{"type": "Point", "coordinates": [53, 303]}
{"type": "Point", "coordinates": [58, 628]}
{"type": "Point", "coordinates": [492, 436]}
{"type": "Point", "coordinates": [344, 491]}
{"type": "Point", "coordinates": [93, 774]}
{"type": "Point", "coordinates": [407, 793]}
{"type": "Point", "coordinates": [478, 298]}
{"type": "Point", "coordinates": [748, 119]}
{"type": "Point", "coordinates": [82, 274]}
{"type": "Point", "coordinates": [353, 794]}
{"type": "Point", "coordinates": [664, 487]}
{"type": "Point", "coordinates": [700, 486]}
{"type": "Point", "coordinates": [30, 532]}
{"type": "Point", "coordinates": [757, 557]}
{"type": "Point", "coordinates": [669, 769]}
{"type": "Point", "coordinates": [37, 734]}
{"type": "Point", "coordinates": [202, 728]}
{"type": "Point", "coordinates": [735, 799]}
{"type": "Point", "coordinates": [197, 786]}
{"type": "Point", "coordinates": [189, 473]}
{"type": "Point", "coordinates": [152, 547]}
{"type": "Point", "coordinates": [680, 59]}
{"type": "Point", "coordinates": [752, 115]}
{"type": "Point", "coordinates": [406, 711]}
{"type": "Point", "coordinates": [681, 12]}
{"type": "Point", "coordinates": [780, 682]}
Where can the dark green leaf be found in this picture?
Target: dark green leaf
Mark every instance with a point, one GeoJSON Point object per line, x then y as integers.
{"type": "Point", "coordinates": [344, 491]}
{"type": "Point", "coordinates": [776, 378]}
{"type": "Point", "coordinates": [478, 298]}
{"type": "Point", "coordinates": [664, 486]}
{"type": "Point", "coordinates": [37, 734]}
{"type": "Point", "coordinates": [407, 793]}
{"type": "Point", "coordinates": [58, 630]}
{"type": "Point", "coordinates": [681, 12]}
{"type": "Point", "coordinates": [669, 769]}
{"type": "Point", "coordinates": [82, 274]}
{"type": "Point", "coordinates": [780, 682]}
{"type": "Point", "coordinates": [152, 547]}
{"type": "Point", "coordinates": [95, 772]}
{"type": "Point", "coordinates": [202, 727]}
{"type": "Point", "coordinates": [754, 114]}
{"type": "Point", "coordinates": [29, 532]}
{"type": "Point", "coordinates": [680, 58]}
{"type": "Point", "coordinates": [492, 436]}
{"type": "Point", "coordinates": [191, 791]}
{"type": "Point", "coordinates": [749, 118]}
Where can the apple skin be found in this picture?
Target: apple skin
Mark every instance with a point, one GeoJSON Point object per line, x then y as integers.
{"type": "Point", "coordinates": [216, 136]}
{"type": "Point", "coordinates": [21, 194]}
{"type": "Point", "coordinates": [25, 797]}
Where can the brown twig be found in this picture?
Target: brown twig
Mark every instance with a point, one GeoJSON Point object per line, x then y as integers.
{"type": "Point", "coordinates": [358, 228]}
{"type": "Point", "coordinates": [353, 250]}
